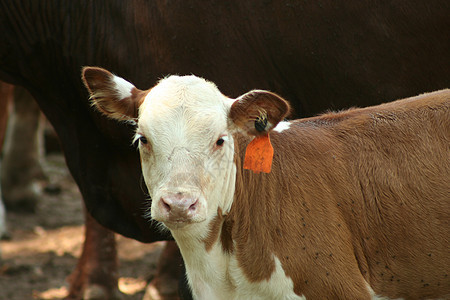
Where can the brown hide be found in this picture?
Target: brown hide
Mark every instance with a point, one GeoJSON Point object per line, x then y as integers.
{"type": "Point", "coordinates": [353, 197]}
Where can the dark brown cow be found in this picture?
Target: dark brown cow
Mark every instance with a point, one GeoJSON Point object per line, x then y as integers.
{"type": "Point", "coordinates": [318, 54]}
{"type": "Point", "coordinates": [356, 204]}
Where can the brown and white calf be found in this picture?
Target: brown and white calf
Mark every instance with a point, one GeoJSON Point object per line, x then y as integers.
{"type": "Point", "coordinates": [356, 206]}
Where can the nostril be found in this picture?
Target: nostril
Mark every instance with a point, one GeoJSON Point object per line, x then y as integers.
{"type": "Point", "coordinates": [165, 204]}
{"type": "Point", "coordinates": [193, 206]}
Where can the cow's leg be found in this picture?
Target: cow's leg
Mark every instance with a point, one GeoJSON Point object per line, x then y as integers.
{"type": "Point", "coordinates": [6, 94]}
{"type": "Point", "coordinates": [96, 275]}
{"type": "Point", "coordinates": [22, 153]}
{"type": "Point", "coordinates": [164, 286]}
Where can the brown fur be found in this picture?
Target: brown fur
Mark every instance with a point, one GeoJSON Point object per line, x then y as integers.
{"type": "Point", "coordinates": [258, 105]}
{"type": "Point", "coordinates": [353, 197]}
{"type": "Point", "coordinates": [100, 84]}
{"type": "Point", "coordinates": [214, 230]}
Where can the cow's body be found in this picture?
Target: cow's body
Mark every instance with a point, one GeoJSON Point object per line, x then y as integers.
{"type": "Point", "coordinates": [355, 198]}
{"type": "Point", "coordinates": [356, 203]}
{"type": "Point", "coordinates": [317, 53]}
{"type": "Point", "coordinates": [349, 203]}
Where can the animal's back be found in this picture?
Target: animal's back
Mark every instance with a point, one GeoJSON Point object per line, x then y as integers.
{"type": "Point", "coordinates": [400, 163]}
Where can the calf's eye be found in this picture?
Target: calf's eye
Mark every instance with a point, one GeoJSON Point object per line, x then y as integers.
{"type": "Point", "coordinates": [220, 142]}
{"type": "Point", "coordinates": [143, 140]}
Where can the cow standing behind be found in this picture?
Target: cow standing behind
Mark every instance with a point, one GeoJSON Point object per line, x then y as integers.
{"type": "Point", "coordinates": [356, 204]}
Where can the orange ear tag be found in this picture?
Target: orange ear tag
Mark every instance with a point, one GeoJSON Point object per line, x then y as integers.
{"type": "Point", "coordinates": [259, 155]}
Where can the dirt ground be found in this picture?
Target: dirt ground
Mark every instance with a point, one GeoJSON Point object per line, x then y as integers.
{"type": "Point", "coordinates": [44, 247]}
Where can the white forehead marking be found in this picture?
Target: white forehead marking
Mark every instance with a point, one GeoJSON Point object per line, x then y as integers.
{"type": "Point", "coordinates": [190, 94]}
{"type": "Point", "coordinates": [282, 126]}
{"type": "Point", "coordinates": [123, 87]}
{"type": "Point", "coordinates": [174, 91]}
{"type": "Point", "coordinates": [185, 111]}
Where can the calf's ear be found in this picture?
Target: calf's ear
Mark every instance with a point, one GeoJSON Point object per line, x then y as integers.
{"type": "Point", "coordinates": [258, 112]}
{"type": "Point", "coordinates": [112, 95]}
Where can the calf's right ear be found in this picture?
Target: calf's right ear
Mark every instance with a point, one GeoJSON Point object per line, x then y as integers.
{"type": "Point", "coordinates": [112, 95]}
{"type": "Point", "coordinates": [257, 113]}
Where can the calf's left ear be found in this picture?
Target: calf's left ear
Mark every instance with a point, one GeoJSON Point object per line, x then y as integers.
{"type": "Point", "coordinates": [258, 112]}
{"type": "Point", "coordinates": [112, 95]}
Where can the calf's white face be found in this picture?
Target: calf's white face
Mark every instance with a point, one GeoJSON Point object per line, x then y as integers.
{"type": "Point", "coordinates": [186, 150]}
{"type": "Point", "coordinates": [185, 130]}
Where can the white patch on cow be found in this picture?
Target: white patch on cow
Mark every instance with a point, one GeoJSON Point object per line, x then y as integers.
{"type": "Point", "coordinates": [377, 297]}
{"type": "Point", "coordinates": [206, 271]}
{"type": "Point", "coordinates": [217, 275]}
{"type": "Point", "coordinates": [279, 286]}
{"type": "Point", "coordinates": [122, 87]}
{"type": "Point", "coordinates": [282, 126]}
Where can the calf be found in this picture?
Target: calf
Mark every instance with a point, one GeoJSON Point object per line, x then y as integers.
{"type": "Point", "coordinates": [354, 205]}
